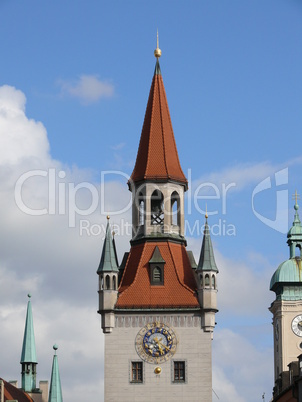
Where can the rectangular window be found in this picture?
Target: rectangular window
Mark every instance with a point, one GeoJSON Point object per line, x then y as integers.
{"type": "Point", "coordinates": [137, 372]}
{"type": "Point", "coordinates": [179, 372]}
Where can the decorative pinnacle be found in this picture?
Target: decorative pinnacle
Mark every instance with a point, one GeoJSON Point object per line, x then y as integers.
{"type": "Point", "coordinates": [296, 197]}
{"type": "Point", "coordinates": [157, 51]}
{"type": "Point", "coordinates": [108, 217]}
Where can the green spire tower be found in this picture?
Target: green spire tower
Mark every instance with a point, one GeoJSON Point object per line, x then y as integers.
{"type": "Point", "coordinates": [108, 280]}
{"type": "Point", "coordinates": [28, 355]}
{"type": "Point", "coordinates": [55, 390]}
{"type": "Point", "coordinates": [206, 280]}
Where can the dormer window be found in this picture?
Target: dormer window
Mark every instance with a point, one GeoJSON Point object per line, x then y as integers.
{"type": "Point", "coordinates": [156, 265]}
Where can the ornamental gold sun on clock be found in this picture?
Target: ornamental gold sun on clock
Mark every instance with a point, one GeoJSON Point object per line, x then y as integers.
{"type": "Point", "coordinates": [156, 342]}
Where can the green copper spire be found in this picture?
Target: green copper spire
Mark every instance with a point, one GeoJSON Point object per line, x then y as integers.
{"type": "Point", "coordinates": [207, 260]}
{"type": "Point", "coordinates": [55, 390]}
{"type": "Point", "coordinates": [294, 235]}
{"type": "Point", "coordinates": [108, 261]}
{"type": "Point", "coordinates": [28, 355]}
{"type": "Point", "coordinates": [287, 279]}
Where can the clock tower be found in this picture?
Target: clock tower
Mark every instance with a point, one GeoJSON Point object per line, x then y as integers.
{"type": "Point", "coordinates": [158, 306]}
{"type": "Point", "coordinates": [287, 306]}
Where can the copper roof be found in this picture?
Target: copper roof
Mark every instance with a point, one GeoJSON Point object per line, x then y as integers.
{"type": "Point", "coordinates": [13, 393]}
{"type": "Point", "coordinates": [157, 157]}
{"type": "Point", "coordinates": [179, 288]}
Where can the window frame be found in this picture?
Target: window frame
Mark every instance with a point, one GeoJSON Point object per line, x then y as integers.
{"type": "Point", "coordinates": [136, 366]}
{"type": "Point", "coordinates": [176, 370]}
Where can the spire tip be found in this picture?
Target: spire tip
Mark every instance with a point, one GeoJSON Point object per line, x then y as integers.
{"type": "Point", "coordinates": [157, 51]}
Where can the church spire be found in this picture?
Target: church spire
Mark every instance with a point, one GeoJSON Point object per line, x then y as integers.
{"type": "Point", "coordinates": [28, 355]}
{"type": "Point", "coordinates": [55, 390]}
{"type": "Point", "coordinates": [294, 235]}
{"type": "Point", "coordinates": [157, 157]}
{"type": "Point", "coordinates": [108, 261]}
{"type": "Point", "coordinates": [207, 260]}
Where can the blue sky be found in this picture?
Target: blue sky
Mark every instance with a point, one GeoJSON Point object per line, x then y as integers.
{"type": "Point", "coordinates": [232, 74]}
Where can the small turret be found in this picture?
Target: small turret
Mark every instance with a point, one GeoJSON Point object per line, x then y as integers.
{"type": "Point", "coordinates": [28, 356]}
{"type": "Point", "coordinates": [55, 390]}
{"type": "Point", "coordinates": [206, 273]}
{"type": "Point", "coordinates": [108, 281]}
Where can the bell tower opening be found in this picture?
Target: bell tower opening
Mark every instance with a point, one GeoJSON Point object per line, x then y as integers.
{"type": "Point", "coordinates": [175, 209]}
{"type": "Point", "coordinates": [157, 208]}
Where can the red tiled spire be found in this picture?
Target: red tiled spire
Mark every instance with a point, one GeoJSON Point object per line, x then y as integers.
{"type": "Point", "coordinates": [157, 157]}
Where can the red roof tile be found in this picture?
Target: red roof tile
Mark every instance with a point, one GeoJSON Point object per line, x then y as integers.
{"type": "Point", "coordinates": [157, 157]}
{"type": "Point", "coordinates": [179, 289]}
{"type": "Point", "coordinates": [13, 393]}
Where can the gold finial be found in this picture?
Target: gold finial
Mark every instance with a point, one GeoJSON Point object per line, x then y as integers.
{"type": "Point", "coordinates": [108, 217]}
{"type": "Point", "coordinates": [113, 233]}
{"type": "Point", "coordinates": [206, 215]}
{"type": "Point", "coordinates": [157, 51]}
{"type": "Point", "coordinates": [296, 197]}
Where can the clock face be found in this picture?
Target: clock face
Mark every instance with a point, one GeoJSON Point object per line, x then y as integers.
{"type": "Point", "coordinates": [156, 342]}
{"type": "Point", "coordinates": [297, 325]}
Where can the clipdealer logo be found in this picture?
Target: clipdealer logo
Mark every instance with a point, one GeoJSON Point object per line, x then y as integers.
{"type": "Point", "coordinates": [63, 199]}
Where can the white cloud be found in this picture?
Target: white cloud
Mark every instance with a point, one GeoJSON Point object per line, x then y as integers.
{"type": "Point", "coordinates": [21, 138]}
{"type": "Point", "coordinates": [241, 371]}
{"type": "Point", "coordinates": [88, 88]}
{"type": "Point", "coordinates": [243, 174]}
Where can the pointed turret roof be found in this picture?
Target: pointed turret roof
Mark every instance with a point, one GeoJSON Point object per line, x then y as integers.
{"type": "Point", "coordinates": [28, 354]}
{"type": "Point", "coordinates": [157, 157]}
{"type": "Point", "coordinates": [295, 232]}
{"type": "Point", "coordinates": [55, 390]}
{"type": "Point", "coordinates": [108, 261]}
{"type": "Point", "coordinates": [207, 260]}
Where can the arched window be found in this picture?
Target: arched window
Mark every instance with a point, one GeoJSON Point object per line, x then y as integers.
{"type": "Point", "coordinates": [213, 282]}
{"type": "Point", "coordinates": [207, 280]}
{"type": "Point", "coordinates": [175, 208]}
{"type": "Point", "coordinates": [141, 209]}
{"type": "Point", "coordinates": [200, 280]}
{"type": "Point", "coordinates": [157, 275]}
{"type": "Point", "coordinates": [107, 282]}
{"type": "Point", "coordinates": [114, 283]}
{"type": "Point", "coordinates": [157, 213]}
{"type": "Point", "coordinates": [298, 250]}
{"type": "Point", "coordinates": [101, 282]}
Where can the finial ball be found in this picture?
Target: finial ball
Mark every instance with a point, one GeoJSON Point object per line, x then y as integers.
{"type": "Point", "coordinates": [55, 347]}
{"type": "Point", "coordinates": [29, 295]}
{"type": "Point", "coordinates": [157, 53]}
{"type": "Point", "coordinates": [108, 217]}
{"type": "Point", "coordinates": [296, 206]}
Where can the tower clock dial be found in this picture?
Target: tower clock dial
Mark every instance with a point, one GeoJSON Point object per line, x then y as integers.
{"type": "Point", "coordinates": [297, 325]}
{"type": "Point", "coordinates": [156, 342]}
